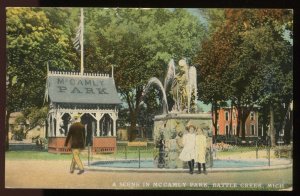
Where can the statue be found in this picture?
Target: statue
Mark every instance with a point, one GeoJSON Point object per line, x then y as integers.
{"type": "Point", "coordinates": [184, 88]}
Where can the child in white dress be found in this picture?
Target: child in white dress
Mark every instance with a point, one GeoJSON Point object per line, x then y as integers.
{"type": "Point", "coordinates": [188, 151]}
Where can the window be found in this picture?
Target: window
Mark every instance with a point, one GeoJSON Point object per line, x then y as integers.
{"type": "Point", "coordinates": [252, 130]}
{"type": "Point", "coordinates": [252, 116]}
{"type": "Point", "coordinates": [218, 129]}
{"type": "Point", "coordinates": [227, 116]}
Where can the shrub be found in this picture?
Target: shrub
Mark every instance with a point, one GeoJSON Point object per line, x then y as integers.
{"type": "Point", "coordinates": [223, 146]}
{"type": "Point", "coordinates": [283, 151]}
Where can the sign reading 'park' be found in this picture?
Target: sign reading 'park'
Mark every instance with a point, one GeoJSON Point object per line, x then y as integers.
{"type": "Point", "coordinates": [87, 86]}
{"type": "Point", "coordinates": [83, 89]}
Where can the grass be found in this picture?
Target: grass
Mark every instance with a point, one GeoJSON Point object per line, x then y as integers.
{"type": "Point", "coordinates": [36, 155]}
{"type": "Point", "coordinates": [238, 154]}
{"type": "Point", "coordinates": [44, 155]}
{"type": "Point", "coordinates": [132, 153]}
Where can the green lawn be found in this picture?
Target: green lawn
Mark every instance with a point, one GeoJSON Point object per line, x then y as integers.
{"type": "Point", "coordinates": [44, 155]}
{"type": "Point", "coordinates": [130, 153]}
{"type": "Point", "coordinates": [39, 155]}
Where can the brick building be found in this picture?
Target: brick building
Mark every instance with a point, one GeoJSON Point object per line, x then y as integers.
{"type": "Point", "coordinates": [229, 117]}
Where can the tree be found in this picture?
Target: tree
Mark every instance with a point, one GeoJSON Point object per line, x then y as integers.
{"type": "Point", "coordinates": [246, 50]}
{"type": "Point", "coordinates": [34, 117]}
{"type": "Point", "coordinates": [139, 43]}
{"type": "Point", "coordinates": [151, 105]}
{"type": "Point", "coordinates": [213, 65]}
{"type": "Point", "coordinates": [215, 19]}
{"type": "Point", "coordinates": [264, 59]}
{"type": "Point", "coordinates": [32, 40]}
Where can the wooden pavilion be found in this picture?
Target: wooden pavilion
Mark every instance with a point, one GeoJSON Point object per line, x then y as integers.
{"type": "Point", "coordinates": [94, 97]}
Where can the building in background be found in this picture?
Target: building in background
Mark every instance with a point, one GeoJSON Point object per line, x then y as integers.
{"type": "Point", "coordinates": [228, 121]}
{"type": "Point", "coordinates": [16, 130]}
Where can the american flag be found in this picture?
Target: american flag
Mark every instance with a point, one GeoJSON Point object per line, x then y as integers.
{"type": "Point", "coordinates": [77, 40]}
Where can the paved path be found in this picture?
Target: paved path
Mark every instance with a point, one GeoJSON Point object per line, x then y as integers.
{"type": "Point", "coordinates": [54, 174]}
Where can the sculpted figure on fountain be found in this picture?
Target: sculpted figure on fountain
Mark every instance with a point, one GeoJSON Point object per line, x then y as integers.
{"type": "Point", "coordinates": [184, 88]}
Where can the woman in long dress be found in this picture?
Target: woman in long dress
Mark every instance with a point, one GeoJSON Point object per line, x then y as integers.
{"type": "Point", "coordinates": [200, 150]}
{"type": "Point", "coordinates": [188, 152]}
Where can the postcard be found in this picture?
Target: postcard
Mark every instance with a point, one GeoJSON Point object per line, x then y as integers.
{"type": "Point", "coordinates": [149, 98]}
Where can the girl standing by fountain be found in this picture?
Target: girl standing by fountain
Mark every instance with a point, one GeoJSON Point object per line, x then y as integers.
{"type": "Point", "coordinates": [188, 151]}
{"type": "Point", "coordinates": [200, 150]}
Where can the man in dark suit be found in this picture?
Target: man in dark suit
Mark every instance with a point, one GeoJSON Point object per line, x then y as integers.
{"type": "Point", "coordinates": [76, 136]}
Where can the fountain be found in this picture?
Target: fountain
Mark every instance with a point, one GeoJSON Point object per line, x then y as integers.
{"type": "Point", "coordinates": [170, 126]}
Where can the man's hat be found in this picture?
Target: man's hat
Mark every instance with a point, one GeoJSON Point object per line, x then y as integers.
{"type": "Point", "coordinates": [75, 116]}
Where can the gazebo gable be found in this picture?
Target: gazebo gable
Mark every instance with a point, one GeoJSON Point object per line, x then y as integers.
{"type": "Point", "coordinates": [65, 87]}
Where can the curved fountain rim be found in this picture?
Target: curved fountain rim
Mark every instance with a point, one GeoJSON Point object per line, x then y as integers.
{"type": "Point", "coordinates": [288, 163]}
{"type": "Point", "coordinates": [183, 116]}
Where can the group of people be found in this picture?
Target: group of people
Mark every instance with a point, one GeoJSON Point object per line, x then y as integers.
{"type": "Point", "coordinates": [194, 149]}
{"type": "Point", "coordinates": [194, 146]}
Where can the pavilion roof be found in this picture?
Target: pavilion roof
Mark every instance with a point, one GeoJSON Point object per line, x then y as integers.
{"type": "Point", "coordinates": [72, 87]}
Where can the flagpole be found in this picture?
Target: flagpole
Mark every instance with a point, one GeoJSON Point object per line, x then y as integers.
{"type": "Point", "coordinates": [81, 41]}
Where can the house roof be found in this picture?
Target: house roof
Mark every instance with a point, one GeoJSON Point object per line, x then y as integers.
{"type": "Point", "coordinates": [73, 87]}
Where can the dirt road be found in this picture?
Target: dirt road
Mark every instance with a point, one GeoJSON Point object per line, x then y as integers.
{"type": "Point", "coordinates": [54, 174]}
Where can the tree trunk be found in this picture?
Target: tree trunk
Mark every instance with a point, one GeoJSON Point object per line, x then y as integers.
{"type": "Point", "coordinates": [272, 130]}
{"type": "Point", "coordinates": [7, 116]}
{"type": "Point", "coordinates": [286, 125]}
{"type": "Point", "coordinates": [243, 121]}
{"type": "Point", "coordinates": [132, 129]}
{"type": "Point", "coordinates": [27, 131]}
{"type": "Point", "coordinates": [243, 129]}
{"type": "Point", "coordinates": [239, 115]}
{"type": "Point", "coordinates": [132, 117]}
{"type": "Point", "coordinates": [245, 111]}
{"type": "Point", "coordinates": [230, 124]}
{"type": "Point", "coordinates": [215, 117]}
{"type": "Point", "coordinates": [287, 135]}
{"type": "Point", "coordinates": [292, 126]}
{"type": "Point", "coordinates": [134, 108]}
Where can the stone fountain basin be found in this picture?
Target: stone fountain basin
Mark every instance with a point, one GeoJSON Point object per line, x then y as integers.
{"type": "Point", "coordinates": [220, 165]}
{"type": "Point", "coordinates": [183, 116]}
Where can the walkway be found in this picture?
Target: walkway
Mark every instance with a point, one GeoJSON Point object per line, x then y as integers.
{"type": "Point", "coordinates": [54, 174]}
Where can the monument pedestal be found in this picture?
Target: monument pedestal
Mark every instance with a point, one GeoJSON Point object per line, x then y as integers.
{"type": "Point", "coordinates": [168, 131]}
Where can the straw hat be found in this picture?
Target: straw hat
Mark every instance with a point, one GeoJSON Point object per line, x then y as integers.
{"type": "Point", "coordinates": [190, 125]}
{"type": "Point", "coordinates": [75, 117]}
